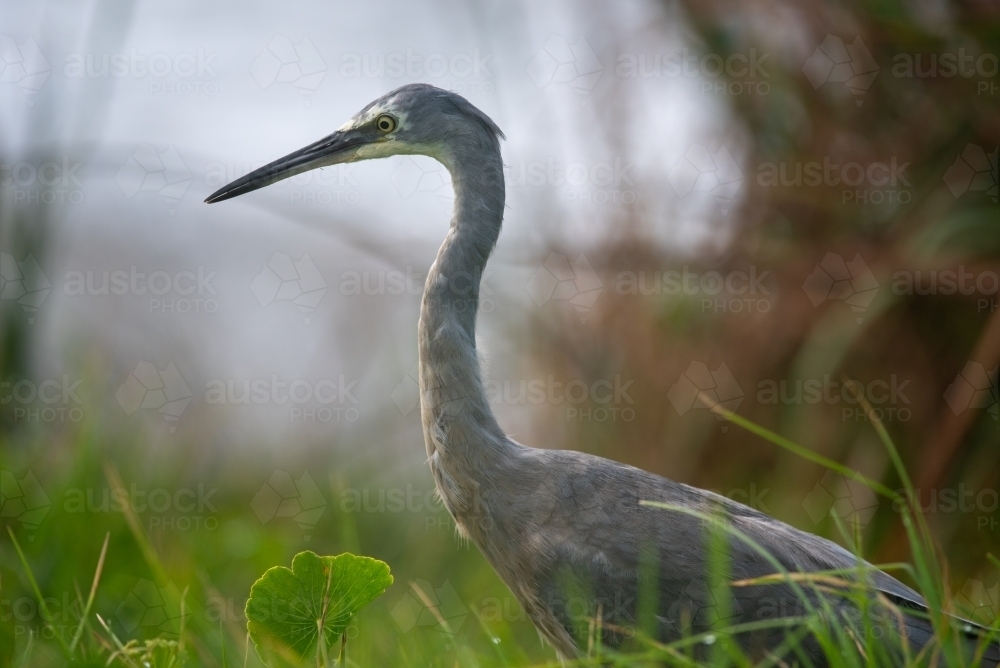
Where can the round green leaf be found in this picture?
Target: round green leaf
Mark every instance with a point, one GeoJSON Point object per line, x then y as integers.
{"type": "Point", "coordinates": [289, 610]}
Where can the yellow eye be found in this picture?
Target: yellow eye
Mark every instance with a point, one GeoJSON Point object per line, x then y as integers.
{"type": "Point", "coordinates": [385, 123]}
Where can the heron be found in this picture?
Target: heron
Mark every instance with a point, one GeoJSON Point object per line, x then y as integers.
{"type": "Point", "coordinates": [569, 533]}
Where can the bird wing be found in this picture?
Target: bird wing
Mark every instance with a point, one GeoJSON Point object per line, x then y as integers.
{"type": "Point", "coordinates": [596, 520]}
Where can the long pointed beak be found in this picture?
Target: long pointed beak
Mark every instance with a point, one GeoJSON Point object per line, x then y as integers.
{"type": "Point", "coordinates": [336, 148]}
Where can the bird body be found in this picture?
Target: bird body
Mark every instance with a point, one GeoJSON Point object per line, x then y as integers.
{"type": "Point", "coordinates": [567, 531]}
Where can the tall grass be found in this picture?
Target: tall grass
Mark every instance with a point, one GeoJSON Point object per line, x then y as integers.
{"type": "Point", "coordinates": [86, 632]}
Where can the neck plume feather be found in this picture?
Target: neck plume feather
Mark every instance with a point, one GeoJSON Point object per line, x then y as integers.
{"type": "Point", "coordinates": [462, 435]}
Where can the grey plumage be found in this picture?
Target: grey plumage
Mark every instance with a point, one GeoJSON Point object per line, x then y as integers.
{"type": "Point", "coordinates": [564, 530]}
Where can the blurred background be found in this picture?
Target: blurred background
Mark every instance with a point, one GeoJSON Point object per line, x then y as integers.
{"type": "Point", "coordinates": [781, 204]}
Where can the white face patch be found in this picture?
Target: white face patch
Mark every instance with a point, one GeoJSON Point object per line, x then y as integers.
{"type": "Point", "coordinates": [372, 114]}
{"type": "Point", "coordinates": [389, 146]}
{"type": "Point", "coordinates": [377, 150]}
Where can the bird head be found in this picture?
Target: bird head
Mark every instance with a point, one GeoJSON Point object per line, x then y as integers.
{"type": "Point", "coordinates": [413, 119]}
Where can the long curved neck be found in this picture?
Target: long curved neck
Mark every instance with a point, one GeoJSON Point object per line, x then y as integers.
{"type": "Point", "coordinates": [460, 431]}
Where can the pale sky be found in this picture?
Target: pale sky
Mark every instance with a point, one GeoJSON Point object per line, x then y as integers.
{"type": "Point", "coordinates": [199, 93]}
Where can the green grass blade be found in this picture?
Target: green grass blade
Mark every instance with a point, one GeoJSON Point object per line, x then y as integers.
{"type": "Point", "coordinates": [46, 613]}
{"type": "Point", "coordinates": [122, 652]}
{"type": "Point", "coordinates": [90, 598]}
{"type": "Point", "coordinates": [135, 526]}
{"type": "Point", "coordinates": [805, 453]}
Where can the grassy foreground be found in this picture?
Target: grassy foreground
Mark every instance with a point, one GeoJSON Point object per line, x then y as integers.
{"type": "Point", "coordinates": [98, 571]}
